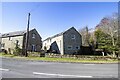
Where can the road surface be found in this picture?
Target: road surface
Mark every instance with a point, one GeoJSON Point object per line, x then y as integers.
{"type": "Point", "coordinates": [20, 68]}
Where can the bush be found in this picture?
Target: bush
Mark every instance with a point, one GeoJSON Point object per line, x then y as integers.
{"type": "Point", "coordinates": [4, 51]}
{"type": "Point", "coordinates": [17, 51]}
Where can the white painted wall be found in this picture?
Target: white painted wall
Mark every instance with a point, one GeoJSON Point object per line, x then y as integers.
{"type": "Point", "coordinates": [59, 41]}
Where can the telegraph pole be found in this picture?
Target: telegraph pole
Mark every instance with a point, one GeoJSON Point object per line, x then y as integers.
{"type": "Point", "coordinates": [27, 36]}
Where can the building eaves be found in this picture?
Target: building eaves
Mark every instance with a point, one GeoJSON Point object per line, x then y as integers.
{"type": "Point", "coordinates": [58, 34]}
{"type": "Point", "coordinates": [11, 34]}
{"type": "Point", "coordinates": [16, 33]}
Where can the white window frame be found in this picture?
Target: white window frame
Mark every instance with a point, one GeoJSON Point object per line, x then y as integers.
{"type": "Point", "coordinates": [33, 35]}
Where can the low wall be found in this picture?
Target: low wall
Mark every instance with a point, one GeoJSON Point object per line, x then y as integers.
{"type": "Point", "coordinates": [81, 57]}
{"type": "Point", "coordinates": [34, 54]}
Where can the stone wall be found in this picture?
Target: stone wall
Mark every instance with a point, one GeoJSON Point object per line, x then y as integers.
{"type": "Point", "coordinates": [73, 39]}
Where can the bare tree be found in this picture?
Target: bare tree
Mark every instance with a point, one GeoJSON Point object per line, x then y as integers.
{"type": "Point", "coordinates": [85, 36]}
{"type": "Point", "coordinates": [109, 25]}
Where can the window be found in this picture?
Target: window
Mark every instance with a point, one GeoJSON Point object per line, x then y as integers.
{"type": "Point", "coordinates": [47, 40]}
{"type": "Point", "coordinates": [60, 45]}
{"type": "Point", "coordinates": [45, 44]}
{"type": "Point", "coordinates": [77, 47]}
{"type": "Point", "coordinates": [33, 35]}
{"type": "Point", "coordinates": [50, 40]}
{"type": "Point", "coordinates": [3, 45]}
{"type": "Point", "coordinates": [17, 43]}
{"type": "Point", "coordinates": [10, 38]}
{"type": "Point", "coordinates": [45, 48]}
{"type": "Point", "coordinates": [33, 47]}
{"type": "Point", "coordinates": [69, 47]}
{"type": "Point", "coordinates": [73, 36]}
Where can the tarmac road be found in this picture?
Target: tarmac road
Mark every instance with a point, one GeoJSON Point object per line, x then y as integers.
{"type": "Point", "coordinates": [20, 68]}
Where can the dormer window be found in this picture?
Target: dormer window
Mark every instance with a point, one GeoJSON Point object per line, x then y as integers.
{"type": "Point", "coordinates": [33, 35]}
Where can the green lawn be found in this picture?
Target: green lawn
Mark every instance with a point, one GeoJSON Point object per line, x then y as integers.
{"type": "Point", "coordinates": [60, 59]}
{"type": "Point", "coordinates": [6, 55]}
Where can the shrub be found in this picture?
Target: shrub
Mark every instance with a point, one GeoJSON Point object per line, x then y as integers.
{"type": "Point", "coordinates": [4, 51]}
{"type": "Point", "coordinates": [17, 51]}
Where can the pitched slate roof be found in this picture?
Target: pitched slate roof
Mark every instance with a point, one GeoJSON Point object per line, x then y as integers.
{"type": "Point", "coordinates": [58, 34]}
{"type": "Point", "coordinates": [16, 33]}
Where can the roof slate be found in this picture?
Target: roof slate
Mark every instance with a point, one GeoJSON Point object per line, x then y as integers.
{"type": "Point", "coordinates": [58, 34]}
{"type": "Point", "coordinates": [16, 33]}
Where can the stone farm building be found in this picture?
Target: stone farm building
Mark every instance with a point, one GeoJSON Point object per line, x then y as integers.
{"type": "Point", "coordinates": [67, 42]}
{"type": "Point", "coordinates": [10, 40]}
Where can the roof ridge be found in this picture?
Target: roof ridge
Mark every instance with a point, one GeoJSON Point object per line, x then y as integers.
{"type": "Point", "coordinates": [15, 33]}
{"type": "Point", "coordinates": [58, 34]}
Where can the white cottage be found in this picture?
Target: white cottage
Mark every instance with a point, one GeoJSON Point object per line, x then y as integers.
{"type": "Point", "coordinates": [67, 42]}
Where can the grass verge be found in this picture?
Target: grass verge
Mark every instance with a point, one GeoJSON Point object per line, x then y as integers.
{"type": "Point", "coordinates": [72, 60]}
